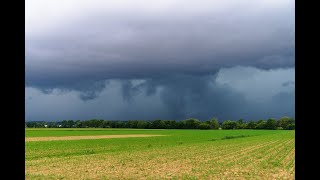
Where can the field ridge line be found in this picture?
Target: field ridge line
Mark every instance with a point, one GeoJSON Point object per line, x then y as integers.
{"type": "Point", "coordinates": [51, 138]}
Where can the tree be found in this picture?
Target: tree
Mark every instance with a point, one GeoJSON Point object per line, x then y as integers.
{"type": "Point", "coordinates": [158, 124]}
{"type": "Point", "coordinates": [119, 124]}
{"type": "Point", "coordinates": [241, 124]}
{"type": "Point", "coordinates": [261, 124]}
{"type": "Point", "coordinates": [52, 125]}
{"type": "Point", "coordinates": [229, 124]}
{"type": "Point", "coordinates": [180, 125]}
{"type": "Point", "coordinates": [291, 127]}
{"type": "Point", "coordinates": [285, 121]}
{"type": "Point", "coordinates": [64, 123]}
{"type": "Point", "coordinates": [214, 123]}
{"type": "Point", "coordinates": [70, 123]}
{"type": "Point", "coordinates": [141, 124]}
{"type": "Point", "coordinates": [204, 126]}
{"type": "Point", "coordinates": [271, 124]}
{"type": "Point", "coordinates": [251, 125]}
{"type": "Point", "coordinates": [171, 124]}
{"type": "Point", "coordinates": [191, 123]}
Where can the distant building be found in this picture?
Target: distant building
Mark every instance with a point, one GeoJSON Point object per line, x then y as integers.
{"type": "Point", "coordinates": [45, 126]}
{"type": "Point", "coordinates": [59, 125]}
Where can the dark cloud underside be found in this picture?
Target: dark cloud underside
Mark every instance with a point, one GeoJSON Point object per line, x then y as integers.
{"type": "Point", "coordinates": [170, 59]}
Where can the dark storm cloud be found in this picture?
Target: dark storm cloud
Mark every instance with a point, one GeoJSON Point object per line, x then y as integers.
{"type": "Point", "coordinates": [129, 90]}
{"type": "Point", "coordinates": [288, 83]}
{"type": "Point", "coordinates": [165, 59]}
{"type": "Point", "coordinates": [148, 40]}
{"type": "Point", "coordinates": [88, 89]}
{"type": "Point", "coordinates": [188, 96]}
{"type": "Point", "coordinates": [198, 97]}
{"type": "Point", "coordinates": [252, 94]}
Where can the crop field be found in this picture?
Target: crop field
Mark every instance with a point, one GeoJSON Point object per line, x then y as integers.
{"type": "Point", "coordinates": [159, 154]}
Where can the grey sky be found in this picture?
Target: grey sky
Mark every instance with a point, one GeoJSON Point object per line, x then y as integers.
{"type": "Point", "coordinates": [91, 51]}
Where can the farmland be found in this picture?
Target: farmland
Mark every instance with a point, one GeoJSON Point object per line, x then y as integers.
{"type": "Point", "coordinates": [159, 154]}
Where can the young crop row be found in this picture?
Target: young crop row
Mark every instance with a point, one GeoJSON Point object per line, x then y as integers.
{"type": "Point", "coordinates": [265, 156]}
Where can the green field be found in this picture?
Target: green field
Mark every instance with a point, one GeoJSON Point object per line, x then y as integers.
{"type": "Point", "coordinates": [180, 154]}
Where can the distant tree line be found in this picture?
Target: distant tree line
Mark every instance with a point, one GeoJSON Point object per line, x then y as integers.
{"type": "Point", "coordinates": [285, 123]}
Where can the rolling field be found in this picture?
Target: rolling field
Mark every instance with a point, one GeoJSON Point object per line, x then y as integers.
{"type": "Point", "coordinates": [159, 154]}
